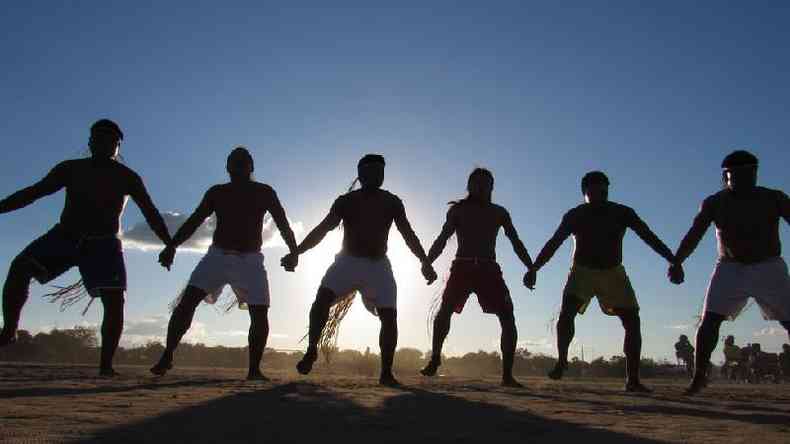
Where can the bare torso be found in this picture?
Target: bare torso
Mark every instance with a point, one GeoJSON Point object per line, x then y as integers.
{"type": "Point", "coordinates": [477, 226]}
{"type": "Point", "coordinates": [747, 226]}
{"type": "Point", "coordinates": [598, 231]}
{"type": "Point", "coordinates": [96, 194]}
{"type": "Point", "coordinates": [240, 209]}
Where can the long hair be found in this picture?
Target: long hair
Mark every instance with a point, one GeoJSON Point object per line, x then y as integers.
{"type": "Point", "coordinates": [476, 174]}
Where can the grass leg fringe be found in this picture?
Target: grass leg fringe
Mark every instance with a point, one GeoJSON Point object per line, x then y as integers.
{"type": "Point", "coordinates": [68, 296]}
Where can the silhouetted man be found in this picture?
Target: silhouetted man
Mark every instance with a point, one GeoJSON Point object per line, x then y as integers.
{"type": "Point", "coordinates": [86, 236]}
{"type": "Point", "coordinates": [684, 351]}
{"type": "Point", "coordinates": [784, 361]}
{"type": "Point", "coordinates": [234, 257]}
{"type": "Point", "coordinates": [362, 265]}
{"type": "Point", "coordinates": [598, 227]}
{"type": "Point", "coordinates": [750, 254]}
{"type": "Point", "coordinates": [476, 220]}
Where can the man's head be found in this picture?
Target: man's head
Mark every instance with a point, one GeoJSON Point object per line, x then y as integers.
{"type": "Point", "coordinates": [730, 340]}
{"type": "Point", "coordinates": [739, 171]}
{"type": "Point", "coordinates": [240, 164]}
{"type": "Point", "coordinates": [756, 347]}
{"type": "Point", "coordinates": [595, 187]}
{"type": "Point", "coordinates": [105, 139]}
{"type": "Point", "coordinates": [683, 338]}
{"type": "Point", "coordinates": [370, 171]}
{"type": "Point", "coordinates": [480, 185]}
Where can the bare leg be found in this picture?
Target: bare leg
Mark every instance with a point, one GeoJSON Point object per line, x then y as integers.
{"type": "Point", "coordinates": [508, 347]}
{"type": "Point", "coordinates": [786, 325]}
{"type": "Point", "coordinates": [319, 314]}
{"type": "Point", "coordinates": [565, 332]}
{"type": "Point", "coordinates": [632, 347]}
{"type": "Point", "coordinates": [259, 333]}
{"type": "Point", "coordinates": [111, 328]}
{"type": "Point", "coordinates": [388, 341]}
{"type": "Point", "coordinates": [707, 337]}
{"type": "Point", "coordinates": [15, 292]}
{"type": "Point", "coordinates": [441, 328]}
{"type": "Point", "coordinates": [179, 324]}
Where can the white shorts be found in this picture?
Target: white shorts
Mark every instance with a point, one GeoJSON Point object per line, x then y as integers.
{"type": "Point", "coordinates": [733, 283]}
{"type": "Point", "coordinates": [372, 278]}
{"type": "Point", "coordinates": [244, 272]}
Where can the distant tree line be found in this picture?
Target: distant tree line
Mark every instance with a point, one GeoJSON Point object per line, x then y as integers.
{"type": "Point", "coordinates": [79, 345]}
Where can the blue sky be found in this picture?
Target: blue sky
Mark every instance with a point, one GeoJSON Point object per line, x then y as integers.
{"type": "Point", "coordinates": [653, 95]}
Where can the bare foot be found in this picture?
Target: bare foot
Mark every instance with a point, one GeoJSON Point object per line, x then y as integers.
{"type": "Point", "coordinates": [558, 370]}
{"type": "Point", "coordinates": [7, 338]}
{"type": "Point", "coordinates": [697, 384]}
{"type": "Point", "coordinates": [257, 376]}
{"type": "Point", "coordinates": [637, 387]}
{"type": "Point", "coordinates": [161, 367]}
{"type": "Point", "coordinates": [108, 373]}
{"type": "Point", "coordinates": [431, 368]}
{"type": "Point", "coordinates": [511, 382]}
{"type": "Point", "coordinates": [388, 380]}
{"type": "Point", "coordinates": [306, 364]}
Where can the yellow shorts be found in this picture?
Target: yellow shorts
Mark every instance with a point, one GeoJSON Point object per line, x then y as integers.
{"type": "Point", "coordinates": [611, 286]}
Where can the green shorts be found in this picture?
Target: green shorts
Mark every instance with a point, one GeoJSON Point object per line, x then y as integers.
{"type": "Point", "coordinates": [611, 286]}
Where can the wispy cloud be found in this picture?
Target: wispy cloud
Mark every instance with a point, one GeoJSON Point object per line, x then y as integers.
{"type": "Point", "coordinates": [770, 331]}
{"type": "Point", "coordinates": [140, 236]}
{"type": "Point", "coordinates": [678, 326]}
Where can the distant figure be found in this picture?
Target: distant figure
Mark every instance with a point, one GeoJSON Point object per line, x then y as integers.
{"type": "Point", "coordinates": [234, 257]}
{"type": "Point", "coordinates": [735, 361]}
{"type": "Point", "coordinates": [362, 265]}
{"type": "Point", "coordinates": [684, 352]}
{"type": "Point", "coordinates": [86, 236]}
{"type": "Point", "coordinates": [476, 221]}
{"type": "Point", "coordinates": [784, 360]}
{"type": "Point", "coordinates": [750, 255]}
{"type": "Point", "coordinates": [598, 227]}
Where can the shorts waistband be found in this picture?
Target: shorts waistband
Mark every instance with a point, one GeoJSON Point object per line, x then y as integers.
{"type": "Point", "coordinates": [475, 260]}
{"type": "Point", "coordinates": [228, 252]}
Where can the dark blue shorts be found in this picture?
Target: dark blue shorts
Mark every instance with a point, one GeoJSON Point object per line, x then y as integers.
{"type": "Point", "coordinates": [99, 259]}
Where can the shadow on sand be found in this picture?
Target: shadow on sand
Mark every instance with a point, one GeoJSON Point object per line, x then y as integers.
{"type": "Point", "coordinates": [304, 412]}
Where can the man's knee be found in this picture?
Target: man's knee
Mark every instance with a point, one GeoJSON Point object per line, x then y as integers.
{"type": "Point", "coordinates": [325, 298]}
{"type": "Point", "coordinates": [191, 298]}
{"type": "Point", "coordinates": [387, 316]}
{"type": "Point", "coordinates": [113, 299]}
{"type": "Point", "coordinates": [259, 317]}
{"type": "Point", "coordinates": [21, 270]}
{"type": "Point", "coordinates": [711, 320]}
{"type": "Point", "coordinates": [507, 318]}
{"type": "Point", "coordinates": [630, 320]}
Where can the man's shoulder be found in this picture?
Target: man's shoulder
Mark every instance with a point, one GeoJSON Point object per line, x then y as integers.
{"type": "Point", "coordinates": [264, 188]}
{"type": "Point", "coordinates": [771, 192]}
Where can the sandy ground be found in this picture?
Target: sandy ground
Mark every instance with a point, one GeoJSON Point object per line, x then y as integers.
{"type": "Point", "coordinates": [48, 403]}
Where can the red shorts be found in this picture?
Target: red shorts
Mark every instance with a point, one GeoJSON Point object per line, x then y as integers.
{"type": "Point", "coordinates": [483, 278]}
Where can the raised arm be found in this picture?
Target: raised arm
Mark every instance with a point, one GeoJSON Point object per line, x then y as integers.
{"type": "Point", "coordinates": [441, 241]}
{"type": "Point", "coordinates": [548, 250]}
{"type": "Point", "coordinates": [314, 237]}
{"type": "Point", "coordinates": [698, 228]}
{"type": "Point", "coordinates": [409, 235]}
{"type": "Point", "coordinates": [512, 234]}
{"type": "Point", "coordinates": [784, 206]}
{"type": "Point", "coordinates": [140, 196]}
{"type": "Point", "coordinates": [646, 234]}
{"type": "Point", "coordinates": [50, 184]}
{"type": "Point", "coordinates": [278, 214]}
{"type": "Point", "coordinates": [204, 209]}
